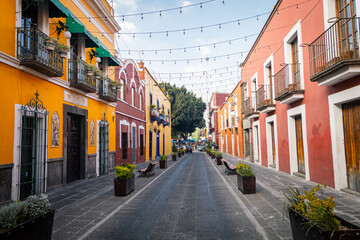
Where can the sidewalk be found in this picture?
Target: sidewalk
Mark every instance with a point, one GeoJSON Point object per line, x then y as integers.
{"type": "Point", "coordinates": [275, 182]}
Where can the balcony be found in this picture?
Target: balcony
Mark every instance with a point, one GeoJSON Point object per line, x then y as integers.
{"type": "Point", "coordinates": [249, 110]}
{"type": "Point", "coordinates": [154, 114]}
{"type": "Point", "coordinates": [80, 78]}
{"type": "Point", "coordinates": [107, 91]}
{"type": "Point", "coordinates": [167, 120]}
{"type": "Point", "coordinates": [334, 58]}
{"type": "Point", "coordinates": [234, 122]}
{"type": "Point", "coordinates": [287, 85]}
{"type": "Point", "coordinates": [32, 52]}
{"type": "Point", "coordinates": [265, 102]}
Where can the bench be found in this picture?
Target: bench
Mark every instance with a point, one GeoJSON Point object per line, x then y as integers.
{"type": "Point", "coordinates": [229, 169]}
{"type": "Point", "coordinates": [148, 171]}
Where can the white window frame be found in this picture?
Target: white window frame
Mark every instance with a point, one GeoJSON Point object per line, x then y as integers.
{"type": "Point", "coordinates": [255, 138]}
{"type": "Point", "coordinates": [337, 133]}
{"type": "Point", "coordinates": [254, 88]}
{"type": "Point", "coordinates": [291, 113]}
{"type": "Point", "coordinates": [133, 96]}
{"type": "Point", "coordinates": [269, 120]}
{"type": "Point", "coordinates": [269, 62]}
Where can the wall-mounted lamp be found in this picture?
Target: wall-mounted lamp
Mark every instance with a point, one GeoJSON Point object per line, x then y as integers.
{"type": "Point", "coordinates": [60, 27]}
{"type": "Point", "coordinates": [94, 54]}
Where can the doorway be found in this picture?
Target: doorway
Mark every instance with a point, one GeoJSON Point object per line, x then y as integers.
{"type": "Point", "coordinates": [133, 145]}
{"type": "Point", "coordinates": [103, 147]}
{"type": "Point", "coordinates": [299, 144]}
{"type": "Point", "coordinates": [73, 147]}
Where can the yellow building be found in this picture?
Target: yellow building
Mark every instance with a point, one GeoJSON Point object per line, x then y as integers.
{"type": "Point", "coordinates": [158, 120]}
{"type": "Point", "coordinates": [57, 125]}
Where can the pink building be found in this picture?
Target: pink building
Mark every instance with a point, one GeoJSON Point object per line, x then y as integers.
{"type": "Point", "coordinates": [130, 115]}
{"type": "Point", "coordinates": [216, 100]}
{"type": "Point", "coordinates": [301, 92]}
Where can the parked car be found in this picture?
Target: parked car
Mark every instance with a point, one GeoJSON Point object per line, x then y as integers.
{"type": "Point", "coordinates": [188, 149]}
{"type": "Point", "coordinates": [201, 148]}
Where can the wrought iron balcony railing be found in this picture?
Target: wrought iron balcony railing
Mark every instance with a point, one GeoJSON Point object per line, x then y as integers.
{"type": "Point", "coordinates": [79, 78]}
{"type": "Point", "coordinates": [250, 106]}
{"type": "Point", "coordinates": [107, 91]}
{"type": "Point", "coordinates": [334, 48]}
{"type": "Point", "coordinates": [283, 84]}
{"type": "Point", "coordinates": [264, 96]}
{"type": "Point", "coordinates": [32, 52]}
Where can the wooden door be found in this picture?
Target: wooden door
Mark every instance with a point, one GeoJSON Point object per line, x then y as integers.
{"type": "Point", "coordinates": [299, 144]}
{"type": "Point", "coordinates": [103, 148]}
{"type": "Point", "coordinates": [124, 145]}
{"type": "Point", "coordinates": [351, 116]}
{"type": "Point", "coordinates": [73, 147]}
{"type": "Point", "coordinates": [133, 145]}
{"type": "Point", "coordinates": [273, 142]}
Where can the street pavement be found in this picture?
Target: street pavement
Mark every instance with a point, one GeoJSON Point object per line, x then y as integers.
{"type": "Point", "coordinates": [191, 199]}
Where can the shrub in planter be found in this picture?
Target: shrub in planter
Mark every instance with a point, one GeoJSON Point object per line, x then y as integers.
{"type": "Point", "coordinates": [163, 161]}
{"type": "Point", "coordinates": [218, 156]}
{"type": "Point", "coordinates": [29, 219]}
{"type": "Point", "coordinates": [89, 69]}
{"type": "Point", "coordinates": [62, 50]}
{"type": "Point", "coordinates": [182, 151]}
{"type": "Point", "coordinates": [174, 148]}
{"type": "Point", "coordinates": [213, 153]}
{"type": "Point", "coordinates": [179, 153]}
{"type": "Point", "coordinates": [174, 156]}
{"type": "Point", "coordinates": [124, 183]}
{"type": "Point", "coordinates": [312, 217]}
{"type": "Point", "coordinates": [246, 179]}
{"type": "Point", "coordinates": [50, 43]}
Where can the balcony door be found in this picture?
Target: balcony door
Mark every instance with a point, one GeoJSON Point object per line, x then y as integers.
{"type": "Point", "coordinates": [351, 116]}
{"type": "Point", "coordinates": [348, 30]}
{"type": "Point", "coordinates": [299, 144]}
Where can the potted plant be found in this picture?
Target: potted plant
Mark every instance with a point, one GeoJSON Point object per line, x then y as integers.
{"type": "Point", "coordinates": [115, 84]}
{"type": "Point", "coordinates": [218, 158]}
{"type": "Point", "coordinates": [174, 156]}
{"type": "Point", "coordinates": [312, 217]}
{"type": "Point", "coordinates": [246, 179]}
{"type": "Point", "coordinates": [62, 50]}
{"type": "Point", "coordinates": [124, 183]}
{"type": "Point", "coordinates": [179, 153]}
{"type": "Point", "coordinates": [50, 43]}
{"type": "Point", "coordinates": [163, 161]}
{"type": "Point", "coordinates": [141, 64]}
{"type": "Point", "coordinates": [29, 219]}
{"type": "Point", "coordinates": [183, 152]}
{"type": "Point", "coordinates": [213, 153]}
{"type": "Point", "coordinates": [89, 69]}
{"type": "Point", "coordinates": [98, 73]}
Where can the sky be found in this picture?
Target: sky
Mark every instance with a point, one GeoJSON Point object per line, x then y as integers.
{"type": "Point", "coordinates": [225, 45]}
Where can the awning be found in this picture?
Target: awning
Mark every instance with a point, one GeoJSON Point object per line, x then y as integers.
{"type": "Point", "coordinates": [113, 61]}
{"type": "Point", "coordinates": [76, 26]}
{"type": "Point", "coordinates": [57, 9]}
{"type": "Point", "coordinates": [103, 52]}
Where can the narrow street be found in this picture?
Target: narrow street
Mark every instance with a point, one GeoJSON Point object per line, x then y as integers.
{"type": "Point", "coordinates": [191, 199]}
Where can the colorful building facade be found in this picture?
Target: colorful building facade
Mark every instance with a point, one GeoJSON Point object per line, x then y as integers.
{"type": "Point", "coordinates": [130, 115]}
{"type": "Point", "coordinates": [216, 100]}
{"type": "Point", "coordinates": [57, 118]}
{"type": "Point", "coordinates": [230, 125]}
{"type": "Point", "coordinates": [301, 92]}
{"type": "Point", "coordinates": [158, 117]}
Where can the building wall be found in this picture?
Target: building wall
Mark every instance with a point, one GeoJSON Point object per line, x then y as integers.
{"type": "Point", "coordinates": [57, 97]}
{"type": "Point", "coordinates": [128, 115]}
{"type": "Point", "coordinates": [164, 132]}
{"type": "Point", "coordinates": [308, 21]}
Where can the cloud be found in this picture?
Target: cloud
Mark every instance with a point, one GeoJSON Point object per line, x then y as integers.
{"type": "Point", "coordinates": [129, 5]}
{"type": "Point", "coordinates": [205, 51]}
{"type": "Point", "coordinates": [127, 27]}
{"type": "Point", "coordinates": [186, 3]}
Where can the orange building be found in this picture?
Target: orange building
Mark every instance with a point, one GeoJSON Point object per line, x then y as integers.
{"type": "Point", "coordinates": [230, 125]}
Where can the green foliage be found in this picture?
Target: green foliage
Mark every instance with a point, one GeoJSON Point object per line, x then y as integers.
{"type": "Point", "coordinates": [245, 169]}
{"type": "Point", "coordinates": [162, 158]}
{"type": "Point", "coordinates": [19, 212]}
{"type": "Point", "coordinates": [320, 212]}
{"type": "Point", "coordinates": [187, 110]}
{"type": "Point", "coordinates": [125, 171]}
{"type": "Point", "coordinates": [174, 148]}
{"type": "Point", "coordinates": [174, 153]}
{"type": "Point", "coordinates": [218, 154]}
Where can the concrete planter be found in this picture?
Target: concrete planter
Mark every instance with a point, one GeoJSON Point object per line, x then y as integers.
{"type": "Point", "coordinates": [174, 157]}
{"type": "Point", "coordinates": [33, 229]}
{"type": "Point", "coordinates": [124, 187]}
{"type": "Point", "coordinates": [163, 164]}
{"type": "Point", "coordinates": [300, 232]}
{"type": "Point", "coordinates": [246, 184]}
{"type": "Point", "coordinates": [218, 160]}
{"type": "Point", "coordinates": [179, 154]}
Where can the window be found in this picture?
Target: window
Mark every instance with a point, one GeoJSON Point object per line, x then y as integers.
{"type": "Point", "coordinates": [151, 99]}
{"type": "Point", "coordinates": [124, 145]}
{"type": "Point", "coordinates": [140, 104]}
{"type": "Point", "coordinates": [295, 61]}
{"type": "Point", "coordinates": [133, 96]}
{"type": "Point", "coordinates": [157, 103]}
{"type": "Point", "coordinates": [122, 89]}
{"type": "Point", "coordinates": [141, 144]}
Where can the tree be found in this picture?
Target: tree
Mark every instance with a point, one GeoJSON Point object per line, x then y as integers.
{"type": "Point", "coordinates": [187, 110]}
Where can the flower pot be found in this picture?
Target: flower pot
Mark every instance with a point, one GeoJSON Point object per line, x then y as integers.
{"type": "Point", "coordinates": [50, 44]}
{"type": "Point", "coordinates": [300, 231]}
{"type": "Point", "coordinates": [89, 72]}
{"type": "Point", "coordinates": [182, 153]}
{"type": "Point", "coordinates": [212, 156]}
{"type": "Point", "coordinates": [246, 184]}
{"type": "Point", "coordinates": [163, 164]}
{"type": "Point", "coordinates": [174, 157]}
{"type": "Point", "coordinates": [124, 187]}
{"type": "Point", "coordinates": [62, 54]}
{"type": "Point", "coordinates": [37, 228]}
{"type": "Point", "coordinates": [218, 161]}
{"type": "Point", "coordinates": [179, 154]}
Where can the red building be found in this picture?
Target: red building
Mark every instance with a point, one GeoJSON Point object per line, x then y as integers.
{"type": "Point", "coordinates": [130, 115]}
{"type": "Point", "coordinates": [301, 91]}
{"type": "Point", "coordinates": [216, 100]}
